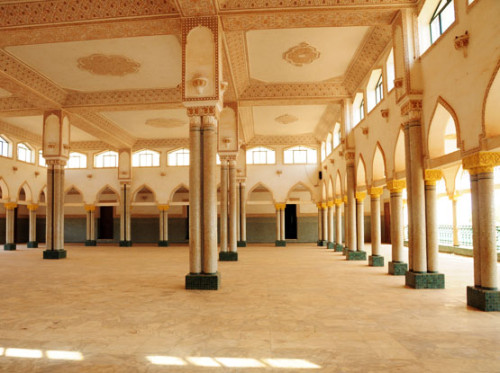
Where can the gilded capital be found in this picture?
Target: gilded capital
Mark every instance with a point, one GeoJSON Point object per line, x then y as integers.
{"type": "Point", "coordinates": [360, 196]}
{"type": "Point", "coordinates": [481, 162]}
{"type": "Point", "coordinates": [376, 192]}
{"type": "Point", "coordinates": [330, 204]}
{"type": "Point", "coordinates": [89, 208]}
{"type": "Point", "coordinates": [338, 202]}
{"type": "Point", "coordinates": [323, 205]}
{"type": "Point", "coordinates": [32, 207]}
{"type": "Point", "coordinates": [432, 176]}
{"type": "Point", "coordinates": [396, 186]}
{"type": "Point", "coordinates": [10, 205]}
{"type": "Point", "coordinates": [163, 207]}
{"type": "Point", "coordinates": [280, 206]}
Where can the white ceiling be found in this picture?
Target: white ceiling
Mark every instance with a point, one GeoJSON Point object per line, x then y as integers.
{"type": "Point", "coordinates": [308, 117]}
{"type": "Point", "coordinates": [134, 122]}
{"type": "Point", "coordinates": [337, 46]}
{"type": "Point", "coordinates": [159, 58]}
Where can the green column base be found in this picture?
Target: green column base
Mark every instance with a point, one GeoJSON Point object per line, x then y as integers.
{"type": "Point", "coordinates": [54, 254]}
{"type": "Point", "coordinates": [125, 243]}
{"type": "Point", "coordinates": [280, 243]}
{"type": "Point", "coordinates": [322, 242]}
{"type": "Point", "coordinates": [482, 299]}
{"type": "Point", "coordinates": [330, 245]}
{"type": "Point", "coordinates": [9, 246]}
{"type": "Point", "coordinates": [424, 280]}
{"type": "Point", "coordinates": [356, 255]}
{"type": "Point", "coordinates": [163, 243]}
{"type": "Point", "coordinates": [338, 248]}
{"type": "Point", "coordinates": [398, 268]}
{"type": "Point", "coordinates": [376, 261]}
{"type": "Point", "coordinates": [91, 243]}
{"type": "Point", "coordinates": [228, 256]}
{"type": "Point", "coordinates": [32, 244]}
{"type": "Point", "coordinates": [241, 244]}
{"type": "Point", "coordinates": [200, 281]}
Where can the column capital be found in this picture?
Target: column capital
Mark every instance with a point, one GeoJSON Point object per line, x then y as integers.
{"type": "Point", "coordinates": [323, 205]}
{"type": "Point", "coordinates": [280, 206]}
{"type": "Point", "coordinates": [350, 156]}
{"type": "Point", "coordinates": [396, 186]}
{"type": "Point", "coordinates": [376, 192]}
{"type": "Point", "coordinates": [481, 162]}
{"type": "Point", "coordinates": [338, 202]}
{"type": "Point", "coordinates": [330, 204]}
{"type": "Point", "coordinates": [454, 197]}
{"type": "Point", "coordinates": [412, 108]}
{"type": "Point", "coordinates": [10, 205]}
{"type": "Point", "coordinates": [163, 207]}
{"type": "Point", "coordinates": [89, 208]}
{"type": "Point", "coordinates": [360, 196]}
{"type": "Point", "coordinates": [432, 176]}
{"type": "Point", "coordinates": [345, 199]}
{"type": "Point", "coordinates": [32, 207]}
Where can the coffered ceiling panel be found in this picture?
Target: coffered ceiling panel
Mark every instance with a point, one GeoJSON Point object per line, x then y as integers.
{"type": "Point", "coordinates": [302, 54]}
{"type": "Point", "coordinates": [287, 120]}
{"type": "Point", "coordinates": [152, 124]}
{"type": "Point", "coordinates": [109, 64]}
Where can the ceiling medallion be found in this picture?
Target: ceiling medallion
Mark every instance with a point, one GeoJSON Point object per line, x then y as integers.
{"type": "Point", "coordinates": [286, 119]}
{"type": "Point", "coordinates": [302, 54]}
{"type": "Point", "coordinates": [113, 65]}
{"type": "Point", "coordinates": [165, 123]}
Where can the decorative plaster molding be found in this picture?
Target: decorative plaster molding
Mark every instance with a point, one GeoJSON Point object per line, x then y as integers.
{"type": "Point", "coordinates": [360, 196]}
{"type": "Point", "coordinates": [284, 140]}
{"type": "Point", "coordinates": [412, 108]}
{"type": "Point", "coordinates": [481, 162]}
{"type": "Point", "coordinates": [376, 192]}
{"type": "Point", "coordinates": [161, 143]}
{"type": "Point", "coordinates": [21, 134]}
{"type": "Point", "coordinates": [90, 145]}
{"type": "Point", "coordinates": [193, 8]}
{"type": "Point", "coordinates": [332, 90]}
{"type": "Point", "coordinates": [273, 4]}
{"type": "Point", "coordinates": [431, 176]}
{"type": "Point", "coordinates": [237, 55]}
{"type": "Point", "coordinates": [396, 186]}
{"type": "Point", "coordinates": [15, 104]}
{"type": "Point", "coordinates": [67, 11]}
{"type": "Point", "coordinates": [301, 54]}
{"type": "Point", "coordinates": [462, 42]}
{"type": "Point", "coordinates": [165, 123]}
{"type": "Point", "coordinates": [286, 119]}
{"type": "Point", "coordinates": [368, 53]}
{"type": "Point", "coordinates": [113, 65]}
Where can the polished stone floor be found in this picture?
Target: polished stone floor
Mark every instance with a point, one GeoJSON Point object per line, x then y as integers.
{"type": "Point", "coordinates": [294, 309]}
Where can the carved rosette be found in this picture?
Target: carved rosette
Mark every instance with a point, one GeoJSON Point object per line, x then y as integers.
{"type": "Point", "coordinates": [112, 65]}
{"type": "Point", "coordinates": [300, 55]}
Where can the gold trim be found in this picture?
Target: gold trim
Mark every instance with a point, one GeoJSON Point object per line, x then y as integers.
{"type": "Point", "coordinates": [32, 207]}
{"type": "Point", "coordinates": [376, 192]}
{"type": "Point", "coordinates": [432, 176]}
{"type": "Point", "coordinates": [360, 196]}
{"type": "Point", "coordinates": [10, 205]}
{"type": "Point", "coordinates": [163, 207]}
{"type": "Point", "coordinates": [89, 208]}
{"type": "Point", "coordinates": [396, 186]}
{"type": "Point", "coordinates": [481, 162]}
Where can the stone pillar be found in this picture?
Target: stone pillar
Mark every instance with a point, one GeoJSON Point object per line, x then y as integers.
{"type": "Point", "coordinates": [338, 225]}
{"type": "Point", "coordinates": [351, 210]}
{"type": "Point", "coordinates": [243, 216]}
{"type": "Point", "coordinates": [282, 214]}
{"type": "Point", "coordinates": [32, 242]}
{"type": "Point", "coordinates": [223, 206]}
{"type": "Point", "coordinates": [331, 232]}
{"type": "Point", "coordinates": [55, 210]}
{"type": "Point", "coordinates": [163, 239]}
{"type": "Point", "coordinates": [360, 221]}
{"type": "Point", "coordinates": [324, 223]}
{"type": "Point", "coordinates": [375, 260]}
{"type": "Point", "coordinates": [280, 224]}
{"type": "Point", "coordinates": [397, 266]}
{"type": "Point", "coordinates": [90, 232]}
{"type": "Point", "coordinates": [408, 193]}
{"type": "Point", "coordinates": [10, 245]}
{"type": "Point", "coordinates": [456, 241]}
{"type": "Point", "coordinates": [195, 199]}
{"type": "Point", "coordinates": [125, 196]}
{"type": "Point", "coordinates": [320, 242]}
{"type": "Point", "coordinates": [232, 254]}
{"type": "Point", "coordinates": [346, 222]}
{"type": "Point", "coordinates": [484, 295]}
{"type": "Point", "coordinates": [431, 177]}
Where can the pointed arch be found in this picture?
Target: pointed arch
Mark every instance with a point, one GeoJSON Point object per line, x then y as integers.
{"type": "Point", "coordinates": [105, 194]}
{"type": "Point", "coordinates": [4, 189]}
{"type": "Point", "coordinates": [300, 187]}
{"type": "Point", "coordinates": [443, 136]}
{"type": "Point", "coordinates": [181, 188]}
{"type": "Point", "coordinates": [378, 164]}
{"type": "Point", "coordinates": [338, 186]}
{"type": "Point", "coordinates": [331, 192]}
{"type": "Point", "coordinates": [73, 195]}
{"type": "Point", "coordinates": [399, 153]}
{"type": "Point", "coordinates": [360, 172]}
{"type": "Point", "coordinates": [260, 188]}
{"type": "Point", "coordinates": [26, 190]}
{"type": "Point", "coordinates": [491, 112]}
{"type": "Point", "coordinates": [42, 195]}
{"type": "Point", "coordinates": [145, 190]}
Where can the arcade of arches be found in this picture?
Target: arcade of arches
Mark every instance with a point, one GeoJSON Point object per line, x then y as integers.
{"type": "Point", "coordinates": [367, 129]}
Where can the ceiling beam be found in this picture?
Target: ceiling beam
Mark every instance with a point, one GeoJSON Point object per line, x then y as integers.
{"type": "Point", "coordinates": [16, 107]}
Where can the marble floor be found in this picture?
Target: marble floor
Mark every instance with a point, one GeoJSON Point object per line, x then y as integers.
{"type": "Point", "coordinates": [293, 309]}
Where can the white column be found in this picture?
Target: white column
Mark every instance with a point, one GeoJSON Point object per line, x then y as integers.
{"type": "Point", "coordinates": [243, 214]}
{"type": "Point", "coordinates": [282, 222]}
{"type": "Point", "coordinates": [90, 231]}
{"type": "Point", "coordinates": [360, 220]}
{"type": "Point", "coordinates": [324, 224]}
{"type": "Point", "coordinates": [125, 197]}
{"type": "Point", "coordinates": [32, 242]}
{"type": "Point", "coordinates": [331, 210]}
{"type": "Point", "coordinates": [233, 207]}
{"type": "Point", "coordinates": [375, 194]}
{"type": "Point", "coordinates": [320, 224]}
{"type": "Point", "coordinates": [9, 226]}
{"type": "Point", "coordinates": [456, 241]}
{"type": "Point", "coordinates": [223, 204]}
{"type": "Point", "coordinates": [278, 223]}
{"type": "Point", "coordinates": [163, 213]}
{"type": "Point", "coordinates": [351, 204]}
{"type": "Point", "coordinates": [338, 222]}
{"type": "Point", "coordinates": [195, 195]}
{"type": "Point", "coordinates": [431, 177]}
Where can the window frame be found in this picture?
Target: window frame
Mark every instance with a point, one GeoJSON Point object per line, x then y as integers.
{"type": "Point", "coordinates": [361, 109]}
{"type": "Point", "coordinates": [437, 15]}
{"type": "Point", "coordinates": [81, 155]}
{"type": "Point", "coordinates": [101, 154]}
{"type": "Point", "coordinates": [301, 148]}
{"type": "Point", "coordinates": [41, 159]}
{"type": "Point", "coordinates": [155, 156]}
{"type": "Point", "coordinates": [29, 151]}
{"type": "Point", "coordinates": [266, 152]}
{"type": "Point", "coordinates": [379, 90]}
{"type": "Point", "coordinates": [5, 140]}
{"type": "Point", "coordinates": [177, 151]}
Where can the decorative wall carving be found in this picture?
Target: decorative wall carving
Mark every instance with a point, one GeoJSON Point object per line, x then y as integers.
{"type": "Point", "coordinates": [331, 90]}
{"type": "Point", "coordinates": [286, 119]}
{"type": "Point", "coordinates": [284, 140]}
{"type": "Point", "coordinates": [114, 65]}
{"type": "Point", "coordinates": [236, 46]}
{"type": "Point", "coordinates": [192, 8]}
{"type": "Point", "coordinates": [301, 54]}
{"type": "Point", "coordinates": [165, 122]}
{"type": "Point", "coordinates": [15, 104]}
{"type": "Point", "coordinates": [58, 11]}
{"type": "Point", "coordinates": [161, 143]}
{"type": "Point", "coordinates": [273, 4]}
{"type": "Point", "coordinates": [90, 145]}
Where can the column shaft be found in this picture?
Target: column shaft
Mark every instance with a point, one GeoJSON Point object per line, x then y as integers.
{"type": "Point", "coordinates": [32, 226]}
{"type": "Point", "coordinates": [320, 224]}
{"type": "Point", "coordinates": [282, 223]}
{"type": "Point", "coordinates": [243, 213]}
{"type": "Point", "coordinates": [324, 215]}
{"type": "Point", "coordinates": [487, 230]}
{"type": "Point", "coordinates": [456, 242]}
{"type": "Point", "coordinates": [351, 209]}
{"type": "Point", "coordinates": [278, 224]}
{"type": "Point", "coordinates": [88, 221]}
{"type": "Point", "coordinates": [375, 223]}
{"type": "Point", "coordinates": [408, 193]}
{"type": "Point", "coordinates": [397, 226]}
{"type": "Point", "coordinates": [330, 223]}
{"type": "Point", "coordinates": [9, 225]}
{"type": "Point", "coordinates": [360, 217]}
{"type": "Point", "coordinates": [475, 229]}
{"type": "Point", "coordinates": [431, 228]}
{"type": "Point", "coordinates": [223, 204]}
{"type": "Point", "coordinates": [195, 195]}
{"type": "Point", "coordinates": [233, 207]}
{"type": "Point", "coordinates": [338, 224]}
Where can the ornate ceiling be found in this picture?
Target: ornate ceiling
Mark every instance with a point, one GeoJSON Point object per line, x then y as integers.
{"type": "Point", "coordinates": [115, 66]}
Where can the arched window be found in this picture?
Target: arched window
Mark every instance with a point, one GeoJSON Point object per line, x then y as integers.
{"type": "Point", "coordinates": [442, 18]}
{"type": "Point", "coordinates": [358, 106]}
{"type": "Point", "coordinates": [336, 135]}
{"type": "Point", "coordinates": [179, 157]}
{"type": "Point", "coordinates": [300, 155]}
{"type": "Point", "coordinates": [379, 90]}
{"type": "Point", "coordinates": [362, 110]}
{"type": "Point", "coordinates": [107, 159]}
{"type": "Point", "coordinates": [261, 155]}
{"type": "Point", "coordinates": [4, 147]}
{"type": "Point", "coordinates": [391, 73]}
{"type": "Point", "coordinates": [146, 158]}
{"type": "Point", "coordinates": [41, 159]}
{"type": "Point", "coordinates": [374, 89]}
{"type": "Point", "coordinates": [328, 144]}
{"type": "Point", "coordinates": [77, 160]}
{"type": "Point", "coordinates": [24, 153]}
